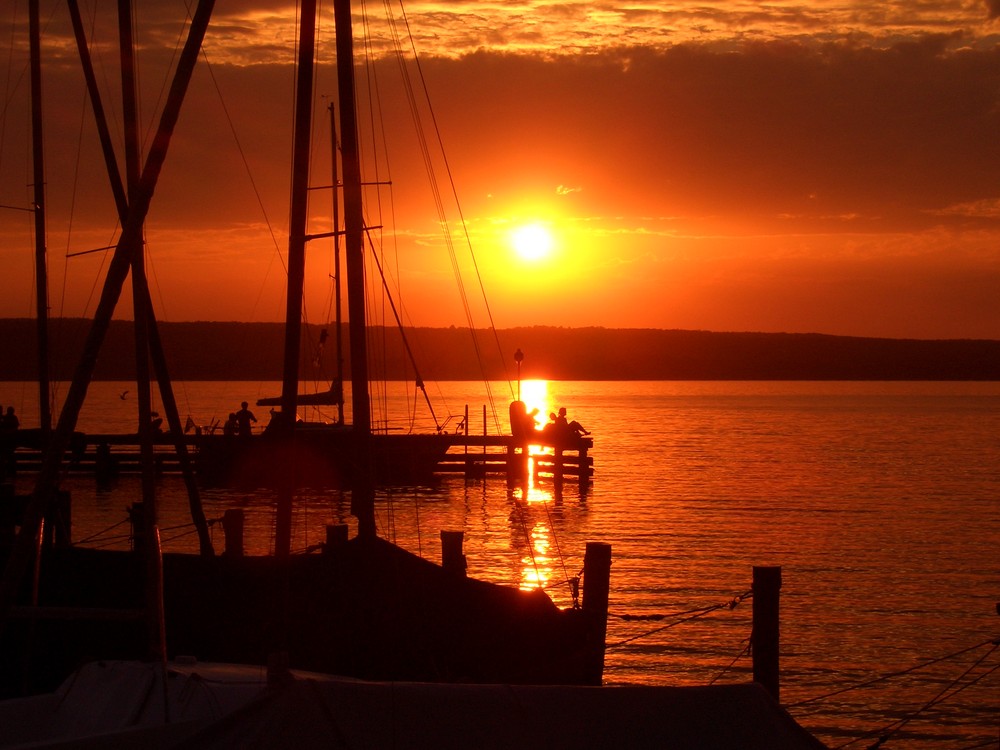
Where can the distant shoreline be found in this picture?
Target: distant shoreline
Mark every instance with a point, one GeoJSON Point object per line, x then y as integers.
{"type": "Point", "coordinates": [253, 352]}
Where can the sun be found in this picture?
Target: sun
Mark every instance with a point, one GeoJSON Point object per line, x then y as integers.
{"type": "Point", "coordinates": [532, 242]}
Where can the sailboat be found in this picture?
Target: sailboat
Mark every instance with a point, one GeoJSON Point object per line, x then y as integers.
{"type": "Point", "coordinates": [363, 608]}
{"type": "Point", "coordinates": [327, 453]}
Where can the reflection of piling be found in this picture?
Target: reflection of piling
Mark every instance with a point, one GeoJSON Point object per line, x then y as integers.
{"type": "Point", "coordinates": [233, 521]}
{"type": "Point", "coordinates": [452, 557]}
{"type": "Point", "coordinates": [596, 588]}
{"type": "Point", "coordinates": [764, 635]}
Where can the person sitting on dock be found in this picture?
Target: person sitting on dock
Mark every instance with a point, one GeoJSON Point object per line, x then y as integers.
{"type": "Point", "coordinates": [571, 428]}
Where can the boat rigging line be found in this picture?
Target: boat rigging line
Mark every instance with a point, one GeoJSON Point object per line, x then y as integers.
{"type": "Point", "coordinates": [439, 203]}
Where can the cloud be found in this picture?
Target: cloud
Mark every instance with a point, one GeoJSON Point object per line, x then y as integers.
{"type": "Point", "coordinates": [829, 136]}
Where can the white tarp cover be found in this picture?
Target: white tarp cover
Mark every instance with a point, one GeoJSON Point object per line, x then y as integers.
{"type": "Point", "coordinates": [120, 704]}
{"type": "Point", "coordinates": [348, 714]}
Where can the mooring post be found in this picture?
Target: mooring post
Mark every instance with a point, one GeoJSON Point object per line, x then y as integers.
{"type": "Point", "coordinates": [336, 537]}
{"type": "Point", "coordinates": [232, 527]}
{"type": "Point", "coordinates": [596, 589]}
{"type": "Point", "coordinates": [452, 557]}
{"type": "Point", "coordinates": [58, 521]}
{"type": "Point", "coordinates": [136, 515]}
{"type": "Point", "coordinates": [583, 473]}
{"type": "Point", "coordinates": [764, 636]}
{"type": "Point", "coordinates": [9, 515]}
{"type": "Point", "coordinates": [517, 464]}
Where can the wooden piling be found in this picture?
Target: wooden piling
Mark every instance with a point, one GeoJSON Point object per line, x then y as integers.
{"type": "Point", "coordinates": [233, 521]}
{"type": "Point", "coordinates": [764, 636]}
{"type": "Point", "coordinates": [10, 515]}
{"type": "Point", "coordinates": [452, 557]}
{"type": "Point", "coordinates": [58, 521]}
{"type": "Point", "coordinates": [136, 516]}
{"type": "Point", "coordinates": [596, 589]}
{"type": "Point", "coordinates": [336, 536]}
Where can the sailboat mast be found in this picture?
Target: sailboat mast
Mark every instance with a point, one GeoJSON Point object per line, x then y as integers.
{"type": "Point", "coordinates": [298, 215]}
{"type": "Point", "coordinates": [41, 271]}
{"type": "Point", "coordinates": [339, 334]}
{"type": "Point", "coordinates": [298, 210]}
{"type": "Point", "coordinates": [353, 219]}
{"type": "Point", "coordinates": [362, 492]}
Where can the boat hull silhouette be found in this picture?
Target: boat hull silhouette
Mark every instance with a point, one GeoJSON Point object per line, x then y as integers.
{"type": "Point", "coordinates": [364, 608]}
{"type": "Point", "coordinates": [322, 455]}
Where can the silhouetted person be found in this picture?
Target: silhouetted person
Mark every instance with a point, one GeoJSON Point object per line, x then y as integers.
{"type": "Point", "coordinates": [522, 422]}
{"type": "Point", "coordinates": [10, 420]}
{"type": "Point", "coordinates": [552, 431]}
{"type": "Point", "coordinates": [231, 427]}
{"type": "Point", "coordinates": [243, 418]}
{"type": "Point", "coordinates": [570, 428]}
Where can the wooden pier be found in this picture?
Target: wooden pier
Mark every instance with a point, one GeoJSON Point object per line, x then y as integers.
{"type": "Point", "coordinates": [471, 456]}
{"type": "Point", "coordinates": [502, 455]}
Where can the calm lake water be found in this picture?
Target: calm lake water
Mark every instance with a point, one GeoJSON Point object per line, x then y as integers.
{"type": "Point", "coordinates": [880, 501]}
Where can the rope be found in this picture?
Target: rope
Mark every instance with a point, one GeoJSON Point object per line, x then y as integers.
{"type": "Point", "coordinates": [519, 510]}
{"type": "Point", "coordinates": [888, 731]}
{"type": "Point", "coordinates": [559, 554]}
{"type": "Point", "coordinates": [102, 533]}
{"type": "Point", "coordinates": [684, 617]}
{"type": "Point", "coordinates": [180, 536]}
{"type": "Point", "coordinates": [740, 655]}
{"type": "Point", "coordinates": [891, 675]}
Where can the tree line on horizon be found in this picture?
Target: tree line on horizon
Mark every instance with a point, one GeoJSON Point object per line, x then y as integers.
{"type": "Point", "coordinates": [254, 351]}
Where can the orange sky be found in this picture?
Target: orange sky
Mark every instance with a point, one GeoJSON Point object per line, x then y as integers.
{"type": "Point", "coordinates": [808, 167]}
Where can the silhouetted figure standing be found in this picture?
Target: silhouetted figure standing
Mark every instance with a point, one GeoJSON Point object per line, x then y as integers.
{"type": "Point", "coordinates": [243, 418]}
{"type": "Point", "coordinates": [10, 420]}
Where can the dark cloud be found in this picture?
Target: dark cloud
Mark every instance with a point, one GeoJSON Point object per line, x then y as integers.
{"type": "Point", "coordinates": [992, 9]}
{"type": "Point", "coordinates": [775, 129]}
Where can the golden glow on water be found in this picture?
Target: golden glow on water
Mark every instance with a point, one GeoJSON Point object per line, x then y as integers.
{"type": "Point", "coordinates": [537, 565]}
{"type": "Point", "coordinates": [879, 500]}
{"type": "Point", "coordinates": [535, 395]}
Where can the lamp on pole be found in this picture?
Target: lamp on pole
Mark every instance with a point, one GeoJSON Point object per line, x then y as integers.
{"type": "Point", "coordinates": [518, 357]}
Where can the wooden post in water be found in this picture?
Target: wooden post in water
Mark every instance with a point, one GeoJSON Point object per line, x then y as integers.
{"type": "Point", "coordinates": [58, 521]}
{"type": "Point", "coordinates": [764, 636]}
{"type": "Point", "coordinates": [232, 527]}
{"type": "Point", "coordinates": [336, 536]}
{"type": "Point", "coordinates": [596, 588]}
{"type": "Point", "coordinates": [136, 517]}
{"type": "Point", "coordinates": [452, 557]}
